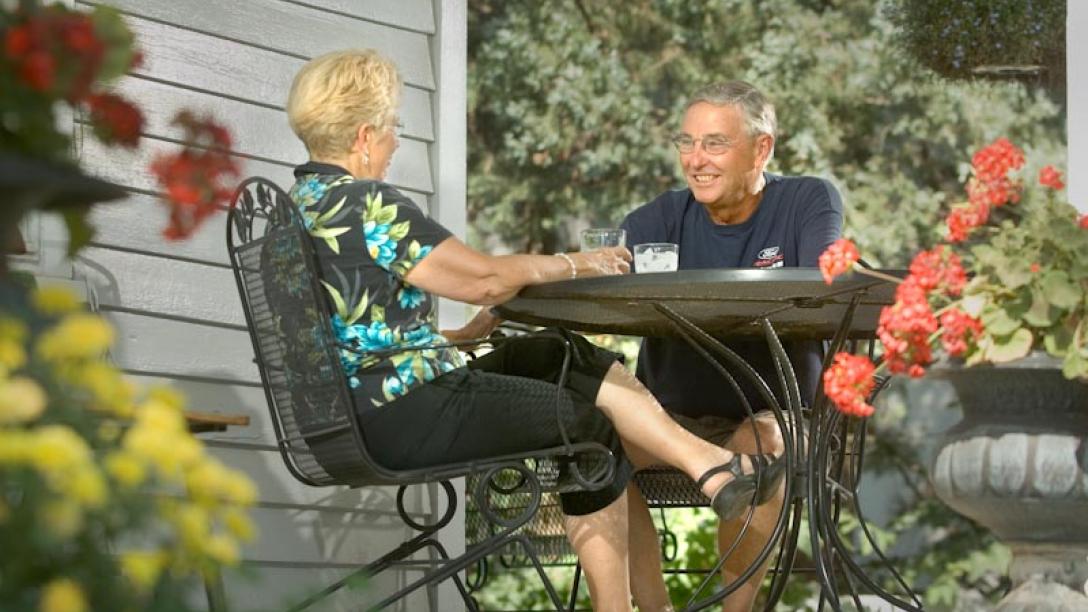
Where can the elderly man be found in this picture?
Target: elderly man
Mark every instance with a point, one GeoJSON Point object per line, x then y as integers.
{"type": "Point", "coordinates": [733, 214]}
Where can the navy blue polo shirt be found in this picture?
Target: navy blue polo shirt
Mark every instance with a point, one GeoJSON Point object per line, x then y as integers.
{"type": "Point", "coordinates": [797, 218]}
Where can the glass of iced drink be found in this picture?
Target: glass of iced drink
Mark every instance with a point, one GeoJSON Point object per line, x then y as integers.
{"type": "Point", "coordinates": [601, 237]}
{"type": "Point", "coordinates": [657, 257]}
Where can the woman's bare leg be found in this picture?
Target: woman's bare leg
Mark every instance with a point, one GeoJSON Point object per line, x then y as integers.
{"type": "Point", "coordinates": [600, 541]}
{"type": "Point", "coordinates": [647, 577]}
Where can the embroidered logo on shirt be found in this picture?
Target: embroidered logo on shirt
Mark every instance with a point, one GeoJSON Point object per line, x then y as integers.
{"type": "Point", "coordinates": [770, 257]}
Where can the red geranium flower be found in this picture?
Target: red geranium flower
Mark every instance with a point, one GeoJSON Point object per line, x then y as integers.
{"type": "Point", "coordinates": [957, 330]}
{"type": "Point", "coordinates": [994, 161]}
{"type": "Point", "coordinates": [192, 179]}
{"type": "Point", "coordinates": [939, 268]}
{"type": "Point", "coordinates": [1084, 221]}
{"type": "Point", "coordinates": [1050, 177]}
{"type": "Point", "coordinates": [837, 259]}
{"type": "Point", "coordinates": [116, 120]}
{"type": "Point", "coordinates": [966, 217]}
{"type": "Point", "coordinates": [848, 383]}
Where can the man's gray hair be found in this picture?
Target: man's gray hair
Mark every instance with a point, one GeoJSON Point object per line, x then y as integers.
{"type": "Point", "coordinates": [759, 117]}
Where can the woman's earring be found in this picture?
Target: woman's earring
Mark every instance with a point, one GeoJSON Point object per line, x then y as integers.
{"type": "Point", "coordinates": [366, 159]}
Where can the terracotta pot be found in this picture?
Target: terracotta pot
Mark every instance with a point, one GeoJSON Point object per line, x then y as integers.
{"type": "Point", "coordinates": [1016, 464]}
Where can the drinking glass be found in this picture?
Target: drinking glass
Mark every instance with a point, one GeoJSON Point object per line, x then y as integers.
{"type": "Point", "coordinates": [657, 257]}
{"type": "Point", "coordinates": [599, 238]}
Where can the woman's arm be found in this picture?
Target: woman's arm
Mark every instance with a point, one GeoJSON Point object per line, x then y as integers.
{"type": "Point", "coordinates": [458, 272]}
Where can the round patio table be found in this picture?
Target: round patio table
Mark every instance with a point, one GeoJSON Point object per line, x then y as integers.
{"type": "Point", "coordinates": [823, 451]}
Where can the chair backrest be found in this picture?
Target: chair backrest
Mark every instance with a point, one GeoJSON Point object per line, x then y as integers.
{"type": "Point", "coordinates": [293, 340]}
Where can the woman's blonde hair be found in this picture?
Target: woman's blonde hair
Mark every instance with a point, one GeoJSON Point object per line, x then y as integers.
{"type": "Point", "coordinates": [336, 93]}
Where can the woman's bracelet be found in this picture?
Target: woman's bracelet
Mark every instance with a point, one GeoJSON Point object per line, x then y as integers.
{"type": "Point", "coordinates": [573, 268]}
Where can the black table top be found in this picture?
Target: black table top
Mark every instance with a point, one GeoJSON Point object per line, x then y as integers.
{"type": "Point", "coordinates": [796, 301]}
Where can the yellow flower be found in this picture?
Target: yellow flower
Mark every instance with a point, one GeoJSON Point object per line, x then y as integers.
{"type": "Point", "coordinates": [126, 468]}
{"type": "Point", "coordinates": [56, 449]}
{"type": "Point", "coordinates": [12, 355]}
{"type": "Point", "coordinates": [55, 300]}
{"type": "Point", "coordinates": [15, 447]}
{"type": "Point", "coordinates": [21, 400]}
{"type": "Point", "coordinates": [193, 526]}
{"type": "Point", "coordinates": [143, 568]}
{"type": "Point", "coordinates": [239, 524]}
{"type": "Point", "coordinates": [13, 329]}
{"type": "Point", "coordinates": [111, 392]}
{"type": "Point", "coordinates": [63, 595]}
{"type": "Point", "coordinates": [222, 548]}
{"type": "Point", "coordinates": [88, 486]}
{"type": "Point", "coordinates": [63, 519]}
{"type": "Point", "coordinates": [77, 336]}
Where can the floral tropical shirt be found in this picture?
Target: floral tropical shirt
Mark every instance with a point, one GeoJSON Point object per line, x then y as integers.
{"type": "Point", "coordinates": [368, 236]}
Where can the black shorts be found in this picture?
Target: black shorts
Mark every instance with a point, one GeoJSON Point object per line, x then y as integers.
{"type": "Point", "coordinates": [502, 403]}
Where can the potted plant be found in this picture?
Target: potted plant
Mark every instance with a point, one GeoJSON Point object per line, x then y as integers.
{"type": "Point", "coordinates": [107, 501]}
{"type": "Point", "coordinates": [1000, 310]}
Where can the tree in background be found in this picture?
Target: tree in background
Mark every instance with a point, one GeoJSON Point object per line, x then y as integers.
{"type": "Point", "coordinates": [571, 105]}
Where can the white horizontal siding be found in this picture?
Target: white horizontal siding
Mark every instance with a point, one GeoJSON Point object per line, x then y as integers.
{"type": "Point", "coordinates": [291, 29]}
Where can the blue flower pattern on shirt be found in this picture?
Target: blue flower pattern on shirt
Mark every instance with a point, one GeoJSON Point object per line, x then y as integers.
{"type": "Point", "coordinates": [374, 237]}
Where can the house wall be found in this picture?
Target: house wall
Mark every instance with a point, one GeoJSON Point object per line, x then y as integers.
{"type": "Point", "coordinates": [175, 305]}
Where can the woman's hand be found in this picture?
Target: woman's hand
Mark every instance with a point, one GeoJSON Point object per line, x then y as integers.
{"type": "Point", "coordinates": [602, 262]}
{"type": "Point", "coordinates": [480, 326]}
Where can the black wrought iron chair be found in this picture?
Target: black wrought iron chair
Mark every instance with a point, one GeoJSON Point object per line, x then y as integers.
{"type": "Point", "coordinates": [314, 418]}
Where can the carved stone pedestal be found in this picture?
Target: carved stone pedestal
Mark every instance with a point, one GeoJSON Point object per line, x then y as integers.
{"type": "Point", "coordinates": [1016, 464]}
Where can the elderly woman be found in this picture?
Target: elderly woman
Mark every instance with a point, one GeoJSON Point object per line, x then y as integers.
{"type": "Point", "coordinates": [383, 262]}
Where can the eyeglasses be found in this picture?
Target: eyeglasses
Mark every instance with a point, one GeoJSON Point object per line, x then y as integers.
{"type": "Point", "coordinates": [715, 144]}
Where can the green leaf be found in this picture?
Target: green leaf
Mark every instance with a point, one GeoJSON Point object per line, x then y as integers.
{"type": "Point", "coordinates": [1060, 290]}
{"type": "Point", "coordinates": [1057, 341]}
{"type": "Point", "coordinates": [337, 300]}
{"type": "Point", "coordinates": [360, 308]}
{"type": "Point", "coordinates": [377, 313]}
{"type": "Point", "coordinates": [1074, 365]}
{"type": "Point", "coordinates": [998, 322]}
{"type": "Point", "coordinates": [79, 231]}
{"type": "Point", "coordinates": [1041, 313]}
{"type": "Point", "coordinates": [328, 232]}
{"type": "Point", "coordinates": [1009, 348]}
{"type": "Point", "coordinates": [330, 213]}
{"type": "Point", "coordinates": [1014, 273]}
{"type": "Point", "coordinates": [399, 231]}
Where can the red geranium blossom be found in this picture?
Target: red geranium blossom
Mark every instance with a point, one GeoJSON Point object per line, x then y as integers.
{"type": "Point", "coordinates": [939, 269]}
{"type": "Point", "coordinates": [994, 161]}
{"type": "Point", "coordinates": [838, 258]}
{"type": "Point", "coordinates": [116, 120]}
{"type": "Point", "coordinates": [904, 329]}
{"type": "Point", "coordinates": [1083, 222]}
{"type": "Point", "coordinates": [957, 330]}
{"type": "Point", "coordinates": [56, 51]}
{"type": "Point", "coordinates": [848, 383]}
{"type": "Point", "coordinates": [192, 179]}
{"type": "Point", "coordinates": [1050, 177]}
{"type": "Point", "coordinates": [964, 218]}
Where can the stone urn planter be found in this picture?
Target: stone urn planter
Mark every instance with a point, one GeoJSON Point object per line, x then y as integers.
{"type": "Point", "coordinates": [1018, 464]}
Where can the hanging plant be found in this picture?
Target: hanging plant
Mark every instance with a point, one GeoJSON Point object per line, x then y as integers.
{"type": "Point", "coordinates": [985, 38]}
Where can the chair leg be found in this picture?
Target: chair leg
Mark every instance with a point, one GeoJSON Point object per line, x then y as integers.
{"type": "Point", "coordinates": [574, 586]}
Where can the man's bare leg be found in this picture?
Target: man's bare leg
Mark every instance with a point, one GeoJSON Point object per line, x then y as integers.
{"type": "Point", "coordinates": [764, 518]}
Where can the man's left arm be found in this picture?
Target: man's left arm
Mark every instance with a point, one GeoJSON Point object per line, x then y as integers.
{"type": "Point", "coordinates": [821, 224]}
